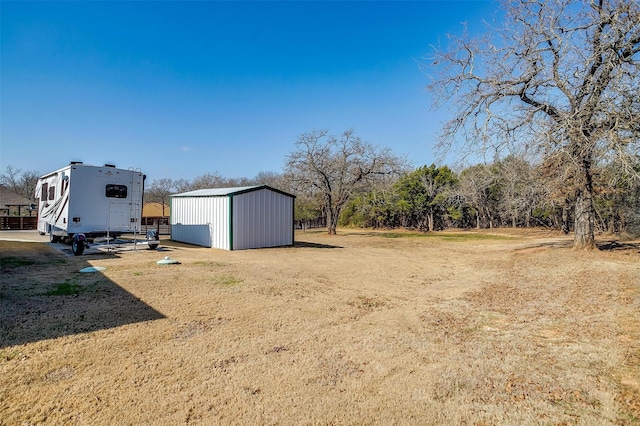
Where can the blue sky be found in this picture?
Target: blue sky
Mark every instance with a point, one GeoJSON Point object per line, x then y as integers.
{"type": "Point", "coordinates": [180, 89]}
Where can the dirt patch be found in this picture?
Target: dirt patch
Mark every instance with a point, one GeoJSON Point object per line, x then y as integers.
{"type": "Point", "coordinates": [362, 327]}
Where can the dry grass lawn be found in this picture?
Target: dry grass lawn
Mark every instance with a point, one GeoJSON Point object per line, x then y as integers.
{"type": "Point", "coordinates": [359, 328]}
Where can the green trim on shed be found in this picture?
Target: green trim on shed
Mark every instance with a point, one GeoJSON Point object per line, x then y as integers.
{"type": "Point", "coordinates": [230, 221]}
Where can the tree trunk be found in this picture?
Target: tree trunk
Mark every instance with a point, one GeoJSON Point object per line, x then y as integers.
{"type": "Point", "coordinates": [333, 213]}
{"type": "Point", "coordinates": [584, 222]}
{"type": "Point", "coordinates": [565, 216]}
{"type": "Point", "coordinates": [584, 237]}
{"type": "Point", "coordinates": [612, 220]}
{"type": "Point", "coordinates": [331, 222]}
{"type": "Point", "coordinates": [430, 221]}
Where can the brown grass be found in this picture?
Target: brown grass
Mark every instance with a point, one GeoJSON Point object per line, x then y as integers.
{"type": "Point", "coordinates": [359, 328]}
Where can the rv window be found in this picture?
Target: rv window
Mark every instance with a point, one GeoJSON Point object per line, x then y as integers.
{"type": "Point", "coordinates": [52, 193]}
{"type": "Point", "coordinates": [116, 191]}
{"type": "Point", "coordinates": [45, 192]}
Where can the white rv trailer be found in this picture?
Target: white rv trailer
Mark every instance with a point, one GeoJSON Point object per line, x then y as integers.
{"type": "Point", "coordinates": [89, 201]}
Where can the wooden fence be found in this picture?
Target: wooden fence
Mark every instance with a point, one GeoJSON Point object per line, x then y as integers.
{"type": "Point", "coordinates": [159, 224]}
{"type": "Point", "coordinates": [160, 229]}
{"type": "Point", "coordinates": [15, 223]}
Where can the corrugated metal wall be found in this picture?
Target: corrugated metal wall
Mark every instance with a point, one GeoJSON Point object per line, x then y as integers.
{"type": "Point", "coordinates": [202, 221]}
{"type": "Point", "coordinates": [262, 218]}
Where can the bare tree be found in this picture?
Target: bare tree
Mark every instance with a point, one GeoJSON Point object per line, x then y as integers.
{"type": "Point", "coordinates": [477, 187]}
{"type": "Point", "coordinates": [159, 191]}
{"type": "Point", "coordinates": [616, 199]}
{"type": "Point", "coordinates": [336, 168]}
{"type": "Point", "coordinates": [519, 192]}
{"type": "Point", "coordinates": [181, 185]}
{"type": "Point", "coordinates": [215, 180]}
{"type": "Point", "coordinates": [22, 183]}
{"type": "Point", "coordinates": [560, 77]}
{"type": "Point", "coordinates": [274, 180]}
{"type": "Point", "coordinates": [208, 180]}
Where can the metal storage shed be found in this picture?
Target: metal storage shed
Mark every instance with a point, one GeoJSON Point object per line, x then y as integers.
{"type": "Point", "coordinates": [233, 218]}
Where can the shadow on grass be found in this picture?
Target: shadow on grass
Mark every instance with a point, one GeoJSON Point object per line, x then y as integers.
{"type": "Point", "coordinates": [304, 244]}
{"type": "Point", "coordinates": [612, 245]}
{"type": "Point", "coordinates": [618, 246]}
{"type": "Point", "coordinates": [553, 244]}
{"type": "Point", "coordinates": [44, 296]}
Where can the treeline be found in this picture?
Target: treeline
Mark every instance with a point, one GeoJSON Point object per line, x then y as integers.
{"type": "Point", "coordinates": [508, 193]}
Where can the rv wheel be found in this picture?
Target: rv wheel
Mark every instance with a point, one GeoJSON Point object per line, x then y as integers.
{"type": "Point", "coordinates": [77, 247]}
{"type": "Point", "coordinates": [53, 239]}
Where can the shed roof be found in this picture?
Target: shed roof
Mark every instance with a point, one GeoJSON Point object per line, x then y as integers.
{"type": "Point", "coordinates": [224, 192]}
{"type": "Point", "coordinates": [9, 198]}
